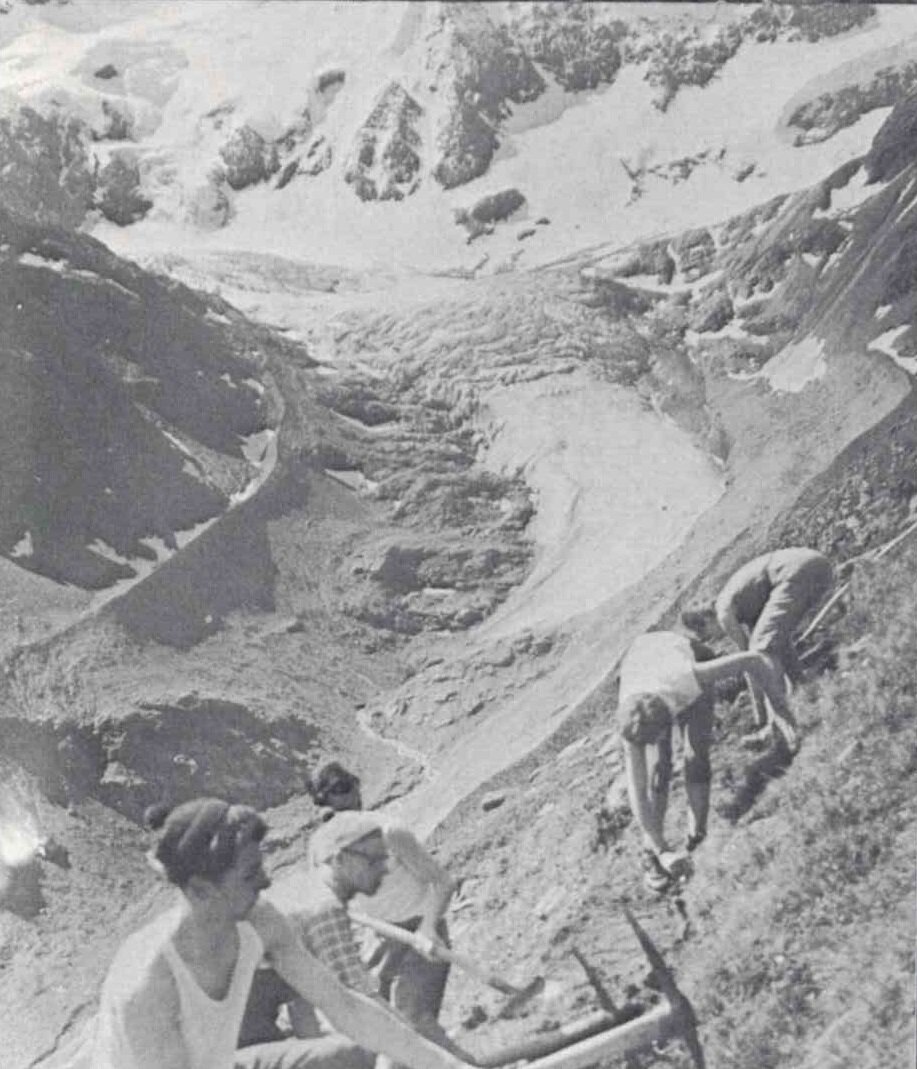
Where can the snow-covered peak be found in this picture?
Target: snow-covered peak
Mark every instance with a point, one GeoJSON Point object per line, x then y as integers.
{"type": "Point", "coordinates": [355, 134]}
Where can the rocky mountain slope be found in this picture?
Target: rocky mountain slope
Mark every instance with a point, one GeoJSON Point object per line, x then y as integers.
{"type": "Point", "coordinates": [418, 523]}
{"type": "Point", "coordinates": [388, 120]}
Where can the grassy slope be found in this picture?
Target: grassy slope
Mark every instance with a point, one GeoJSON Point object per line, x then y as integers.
{"type": "Point", "coordinates": [799, 947]}
{"type": "Point", "coordinates": [805, 924]}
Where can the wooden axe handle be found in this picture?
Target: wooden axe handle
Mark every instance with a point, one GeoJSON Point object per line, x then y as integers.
{"type": "Point", "coordinates": [439, 950]}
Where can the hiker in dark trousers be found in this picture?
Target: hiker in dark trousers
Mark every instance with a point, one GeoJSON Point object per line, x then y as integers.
{"type": "Point", "coordinates": [667, 680]}
{"type": "Point", "coordinates": [415, 894]}
{"type": "Point", "coordinates": [762, 605]}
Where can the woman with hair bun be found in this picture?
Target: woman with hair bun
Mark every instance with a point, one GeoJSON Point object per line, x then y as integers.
{"type": "Point", "coordinates": [175, 994]}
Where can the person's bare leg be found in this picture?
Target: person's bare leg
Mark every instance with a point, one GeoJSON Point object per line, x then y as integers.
{"type": "Point", "coordinates": [698, 797]}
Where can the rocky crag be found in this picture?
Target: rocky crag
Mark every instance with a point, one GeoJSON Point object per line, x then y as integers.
{"type": "Point", "coordinates": [89, 144]}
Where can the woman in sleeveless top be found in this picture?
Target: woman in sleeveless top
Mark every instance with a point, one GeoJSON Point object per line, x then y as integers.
{"type": "Point", "coordinates": [176, 992]}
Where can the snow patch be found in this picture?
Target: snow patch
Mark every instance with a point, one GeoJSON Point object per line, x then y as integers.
{"type": "Point", "coordinates": [885, 344]}
{"type": "Point", "coordinates": [260, 450]}
{"type": "Point", "coordinates": [63, 268]}
{"type": "Point", "coordinates": [616, 488]}
{"type": "Point", "coordinates": [733, 329]}
{"type": "Point", "coordinates": [103, 549]}
{"type": "Point", "coordinates": [796, 365]}
{"type": "Point", "coordinates": [353, 480]}
{"type": "Point", "coordinates": [847, 197]}
{"type": "Point", "coordinates": [23, 547]}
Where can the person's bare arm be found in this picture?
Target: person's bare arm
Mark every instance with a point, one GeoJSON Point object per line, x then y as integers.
{"type": "Point", "coordinates": [440, 886]}
{"type": "Point", "coordinates": [765, 671]}
{"type": "Point", "coordinates": [639, 795]}
{"type": "Point", "coordinates": [363, 1019]}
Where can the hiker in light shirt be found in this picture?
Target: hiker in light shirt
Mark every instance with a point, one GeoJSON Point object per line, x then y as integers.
{"type": "Point", "coordinates": [347, 857]}
{"type": "Point", "coordinates": [760, 607]}
{"type": "Point", "coordinates": [667, 680]}
{"type": "Point", "coordinates": [176, 991]}
{"type": "Point", "coordinates": [414, 894]}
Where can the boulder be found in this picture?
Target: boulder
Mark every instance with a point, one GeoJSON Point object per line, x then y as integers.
{"type": "Point", "coordinates": [484, 214]}
{"type": "Point", "coordinates": [119, 196]}
{"type": "Point", "coordinates": [248, 159]}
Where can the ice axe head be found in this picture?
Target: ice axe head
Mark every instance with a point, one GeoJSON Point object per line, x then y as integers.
{"type": "Point", "coordinates": [683, 1022]}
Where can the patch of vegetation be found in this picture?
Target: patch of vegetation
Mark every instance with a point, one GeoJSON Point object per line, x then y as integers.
{"type": "Point", "coordinates": [824, 973]}
{"type": "Point", "coordinates": [869, 493]}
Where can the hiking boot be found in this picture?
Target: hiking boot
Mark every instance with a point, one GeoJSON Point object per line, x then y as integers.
{"type": "Point", "coordinates": [655, 878]}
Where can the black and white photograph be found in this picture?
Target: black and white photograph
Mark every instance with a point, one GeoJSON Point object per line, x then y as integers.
{"type": "Point", "coordinates": [458, 534]}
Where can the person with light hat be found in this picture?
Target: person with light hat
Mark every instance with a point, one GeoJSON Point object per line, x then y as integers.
{"type": "Point", "coordinates": [343, 859]}
{"type": "Point", "coordinates": [175, 993]}
{"type": "Point", "coordinates": [760, 607]}
{"type": "Point", "coordinates": [414, 894]}
{"type": "Point", "coordinates": [347, 856]}
{"type": "Point", "coordinates": [667, 680]}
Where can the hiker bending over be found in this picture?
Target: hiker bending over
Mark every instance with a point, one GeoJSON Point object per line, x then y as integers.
{"type": "Point", "coordinates": [175, 993]}
{"type": "Point", "coordinates": [414, 894]}
{"type": "Point", "coordinates": [760, 608]}
{"type": "Point", "coordinates": [668, 680]}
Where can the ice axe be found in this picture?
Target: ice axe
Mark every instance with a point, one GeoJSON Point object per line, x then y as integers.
{"type": "Point", "coordinates": [605, 1035]}
{"type": "Point", "coordinates": [438, 949]}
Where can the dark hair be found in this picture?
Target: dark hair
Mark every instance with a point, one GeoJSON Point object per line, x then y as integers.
{"type": "Point", "coordinates": [644, 718]}
{"type": "Point", "coordinates": [703, 622]}
{"type": "Point", "coordinates": [202, 837]}
{"type": "Point", "coordinates": [331, 779]}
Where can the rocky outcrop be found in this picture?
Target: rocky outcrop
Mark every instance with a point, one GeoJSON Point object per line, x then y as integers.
{"type": "Point", "coordinates": [577, 43]}
{"type": "Point", "coordinates": [676, 60]}
{"type": "Point", "coordinates": [695, 250]}
{"type": "Point", "coordinates": [652, 258]}
{"type": "Point", "coordinates": [483, 216]}
{"type": "Point", "coordinates": [248, 158]}
{"type": "Point", "coordinates": [821, 118]}
{"type": "Point", "coordinates": [477, 70]}
{"type": "Point", "coordinates": [434, 584]}
{"type": "Point", "coordinates": [677, 53]}
{"type": "Point", "coordinates": [119, 196]}
{"type": "Point", "coordinates": [385, 160]}
{"type": "Point", "coordinates": [193, 746]}
{"type": "Point", "coordinates": [147, 399]}
{"type": "Point", "coordinates": [117, 123]}
{"type": "Point", "coordinates": [892, 148]}
{"type": "Point", "coordinates": [712, 312]}
{"type": "Point", "coordinates": [46, 172]}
